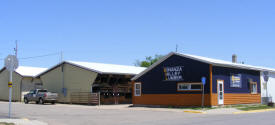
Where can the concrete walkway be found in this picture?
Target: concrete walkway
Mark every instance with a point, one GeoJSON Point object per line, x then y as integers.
{"type": "Point", "coordinates": [222, 111]}
{"type": "Point", "coordinates": [22, 122]}
{"type": "Point", "coordinates": [207, 111]}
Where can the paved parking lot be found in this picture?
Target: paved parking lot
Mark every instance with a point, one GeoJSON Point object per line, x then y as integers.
{"type": "Point", "coordinates": [62, 114]}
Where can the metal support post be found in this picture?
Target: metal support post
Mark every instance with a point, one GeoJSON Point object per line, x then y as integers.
{"type": "Point", "coordinates": [10, 93]}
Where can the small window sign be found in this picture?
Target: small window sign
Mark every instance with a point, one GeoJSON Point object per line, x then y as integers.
{"type": "Point", "coordinates": [236, 80]}
{"type": "Point", "coordinates": [189, 86]}
{"type": "Point", "coordinates": [173, 73]}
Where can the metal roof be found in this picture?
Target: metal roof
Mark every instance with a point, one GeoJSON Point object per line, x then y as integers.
{"type": "Point", "coordinates": [214, 62]}
{"type": "Point", "coordinates": [102, 68]}
{"type": "Point", "coordinates": [110, 68]}
{"type": "Point", "coordinates": [27, 71]}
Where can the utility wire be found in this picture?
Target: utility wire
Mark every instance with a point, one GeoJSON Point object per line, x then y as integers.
{"type": "Point", "coordinates": [32, 57]}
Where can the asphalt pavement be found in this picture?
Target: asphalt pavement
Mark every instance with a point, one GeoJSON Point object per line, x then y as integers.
{"type": "Point", "coordinates": [63, 114]}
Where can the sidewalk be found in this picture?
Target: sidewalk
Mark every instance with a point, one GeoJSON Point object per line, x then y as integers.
{"type": "Point", "coordinates": [223, 111]}
{"type": "Point", "coordinates": [214, 111]}
{"type": "Point", "coordinates": [206, 111]}
{"type": "Point", "coordinates": [22, 122]}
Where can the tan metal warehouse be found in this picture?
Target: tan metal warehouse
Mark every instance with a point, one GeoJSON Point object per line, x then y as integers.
{"type": "Point", "coordinates": [69, 77]}
{"type": "Point", "coordinates": [23, 81]}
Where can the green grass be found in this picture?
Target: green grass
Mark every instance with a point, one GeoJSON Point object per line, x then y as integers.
{"type": "Point", "coordinates": [200, 108]}
{"type": "Point", "coordinates": [244, 107]}
{"type": "Point", "coordinates": [249, 107]}
{"type": "Point", "coordinates": [239, 107]}
{"type": "Point", "coordinates": [193, 108]}
{"type": "Point", "coordinates": [4, 123]}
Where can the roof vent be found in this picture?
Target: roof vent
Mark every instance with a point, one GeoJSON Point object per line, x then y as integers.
{"type": "Point", "coordinates": [234, 58]}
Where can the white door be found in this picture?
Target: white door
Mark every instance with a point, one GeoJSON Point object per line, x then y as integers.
{"type": "Point", "coordinates": [220, 92]}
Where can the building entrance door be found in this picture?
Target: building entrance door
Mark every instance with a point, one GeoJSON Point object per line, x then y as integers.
{"type": "Point", "coordinates": [220, 91]}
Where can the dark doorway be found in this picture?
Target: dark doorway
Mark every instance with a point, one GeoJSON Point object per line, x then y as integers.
{"type": "Point", "coordinates": [114, 89]}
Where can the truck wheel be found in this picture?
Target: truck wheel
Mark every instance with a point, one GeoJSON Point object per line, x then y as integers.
{"type": "Point", "coordinates": [53, 102]}
{"type": "Point", "coordinates": [26, 101]}
{"type": "Point", "coordinates": [41, 101]}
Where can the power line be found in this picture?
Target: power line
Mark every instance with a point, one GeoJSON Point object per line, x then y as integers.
{"type": "Point", "coordinates": [40, 56]}
{"type": "Point", "coordinates": [32, 57]}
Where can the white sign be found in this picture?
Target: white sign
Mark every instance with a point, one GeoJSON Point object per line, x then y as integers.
{"type": "Point", "coordinates": [173, 73]}
{"type": "Point", "coordinates": [11, 62]}
{"type": "Point", "coordinates": [266, 77]}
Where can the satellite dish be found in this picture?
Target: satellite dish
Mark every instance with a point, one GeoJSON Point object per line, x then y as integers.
{"type": "Point", "coordinates": [11, 62]}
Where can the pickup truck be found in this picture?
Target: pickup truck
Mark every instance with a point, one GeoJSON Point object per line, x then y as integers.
{"type": "Point", "coordinates": [40, 96]}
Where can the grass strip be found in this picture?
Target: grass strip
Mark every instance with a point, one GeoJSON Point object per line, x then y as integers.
{"type": "Point", "coordinates": [192, 108]}
{"type": "Point", "coordinates": [254, 107]}
{"type": "Point", "coordinates": [4, 123]}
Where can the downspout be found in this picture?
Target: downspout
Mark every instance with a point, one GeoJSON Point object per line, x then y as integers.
{"type": "Point", "coordinates": [63, 83]}
{"type": "Point", "coordinates": [21, 89]}
{"type": "Point", "coordinates": [33, 83]}
{"type": "Point", "coordinates": [211, 84]}
{"type": "Point", "coordinates": [41, 82]}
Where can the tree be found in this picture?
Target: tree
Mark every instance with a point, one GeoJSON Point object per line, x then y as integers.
{"type": "Point", "coordinates": [149, 60]}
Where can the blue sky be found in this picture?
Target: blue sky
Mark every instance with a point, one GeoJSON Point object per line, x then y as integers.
{"type": "Point", "coordinates": [122, 31]}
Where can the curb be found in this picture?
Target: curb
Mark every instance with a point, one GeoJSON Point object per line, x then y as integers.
{"type": "Point", "coordinates": [254, 111]}
{"type": "Point", "coordinates": [25, 119]}
{"type": "Point", "coordinates": [196, 112]}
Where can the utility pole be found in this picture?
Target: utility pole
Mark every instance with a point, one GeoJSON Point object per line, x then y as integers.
{"type": "Point", "coordinates": [176, 47]}
{"type": "Point", "coordinates": [16, 48]}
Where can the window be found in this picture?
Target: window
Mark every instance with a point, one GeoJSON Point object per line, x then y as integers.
{"type": "Point", "coordinates": [253, 87]}
{"type": "Point", "coordinates": [32, 91]}
{"type": "Point", "coordinates": [183, 86]}
{"type": "Point", "coordinates": [189, 86]}
{"type": "Point", "coordinates": [42, 90]}
{"type": "Point", "coordinates": [137, 89]}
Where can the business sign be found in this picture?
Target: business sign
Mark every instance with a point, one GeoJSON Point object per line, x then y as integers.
{"type": "Point", "coordinates": [173, 73]}
{"type": "Point", "coordinates": [236, 80]}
